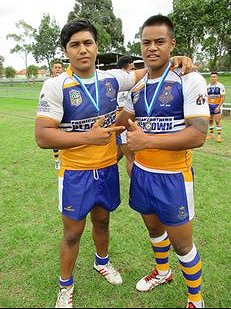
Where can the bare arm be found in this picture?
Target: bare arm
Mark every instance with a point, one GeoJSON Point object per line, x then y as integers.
{"type": "Point", "coordinates": [48, 135]}
{"type": "Point", "coordinates": [222, 101]}
{"type": "Point", "coordinates": [192, 136]}
{"type": "Point", "coordinates": [122, 119]}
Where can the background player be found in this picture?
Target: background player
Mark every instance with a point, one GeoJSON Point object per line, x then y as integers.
{"type": "Point", "coordinates": [216, 97]}
{"type": "Point", "coordinates": [56, 70]}
{"type": "Point", "coordinates": [125, 63]}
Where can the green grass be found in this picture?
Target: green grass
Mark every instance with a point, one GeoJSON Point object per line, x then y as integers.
{"type": "Point", "coordinates": [31, 228]}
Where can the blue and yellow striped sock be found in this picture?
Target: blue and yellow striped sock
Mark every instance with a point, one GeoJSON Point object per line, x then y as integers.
{"type": "Point", "coordinates": [161, 246]}
{"type": "Point", "coordinates": [219, 130]}
{"type": "Point", "coordinates": [191, 267]}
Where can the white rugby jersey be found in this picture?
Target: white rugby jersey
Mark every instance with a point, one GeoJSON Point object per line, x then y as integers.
{"type": "Point", "coordinates": [63, 99]}
{"type": "Point", "coordinates": [180, 97]}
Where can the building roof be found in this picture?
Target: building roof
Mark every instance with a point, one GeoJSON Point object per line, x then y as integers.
{"type": "Point", "coordinates": [112, 58]}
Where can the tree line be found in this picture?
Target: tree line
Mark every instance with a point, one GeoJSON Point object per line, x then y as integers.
{"type": "Point", "coordinates": [203, 32]}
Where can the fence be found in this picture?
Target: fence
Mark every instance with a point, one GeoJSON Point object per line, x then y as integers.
{"type": "Point", "coordinates": [20, 90]}
{"type": "Point", "coordinates": [226, 109]}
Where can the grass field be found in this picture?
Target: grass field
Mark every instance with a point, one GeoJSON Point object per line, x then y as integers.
{"type": "Point", "coordinates": [31, 228]}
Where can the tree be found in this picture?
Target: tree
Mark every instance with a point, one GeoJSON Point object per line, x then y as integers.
{"type": "Point", "coordinates": [47, 40]}
{"type": "Point", "coordinates": [23, 40]}
{"type": "Point", "coordinates": [189, 25]}
{"type": "Point", "coordinates": [217, 40]}
{"type": "Point", "coordinates": [1, 66]}
{"type": "Point", "coordinates": [109, 27]}
{"type": "Point", "coordinates": [134, 48]}
{"type": "Point", "coordinates": [32, 71]}
{"type": "Point", "coordinates": [203, 30]}
{"type": "Point", "coordinates": [10, 72]}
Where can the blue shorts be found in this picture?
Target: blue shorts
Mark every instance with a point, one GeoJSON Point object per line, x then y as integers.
{"type": "Point", "coordinates": [80, 191]}
{"type": "Point", "coordinates": [168, 196]}
{"type": "Point", "coordinates": [212, 108]}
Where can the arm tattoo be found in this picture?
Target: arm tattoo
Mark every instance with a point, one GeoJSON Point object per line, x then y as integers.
{"type": "Point", "coordinates": [199, 123]}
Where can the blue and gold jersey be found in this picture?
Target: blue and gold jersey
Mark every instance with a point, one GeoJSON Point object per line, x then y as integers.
{"type": "Point", "coordinates": [64, 100]}
{"type": "Point", "coordinates": [215, 93]}
{"type": "Point", "coordinates": [180, 97]}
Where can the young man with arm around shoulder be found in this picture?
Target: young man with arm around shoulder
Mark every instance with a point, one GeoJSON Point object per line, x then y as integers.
{"type": "Point", "coordinates": [171, 117]}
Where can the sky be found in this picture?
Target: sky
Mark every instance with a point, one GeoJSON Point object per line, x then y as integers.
{"type": "Point", "coordinates": [131, 12]}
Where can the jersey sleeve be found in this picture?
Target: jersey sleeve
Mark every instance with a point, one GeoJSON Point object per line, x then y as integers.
{"type": "Point", "coordinates": [195, 96]}
{"type": "Point", "coordinates": [126, 80]}
{"type": "Point", "coordinates": [129, 107]}
{"type": "Point", "coordinates": [222, 87]}
{"type": "Point", "coordinates": [51, 99]}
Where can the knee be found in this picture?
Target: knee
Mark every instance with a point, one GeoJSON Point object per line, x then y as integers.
{"type": "Point", "coordinates": [155, 232]}
{"type": "Point", "coordinates": [102, 224]}
{"type": "Point", "coordinates": [72, 239]}
{"type": "Point", "coordinates": [182, 249]}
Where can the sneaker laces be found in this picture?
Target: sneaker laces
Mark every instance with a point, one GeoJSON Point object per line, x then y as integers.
{"type": "Point", "coordinates": [153, 275]}
{"type": "Point", "coordinates": [111, 269]}
{"type": "Point", "coordinates": [64, 296]}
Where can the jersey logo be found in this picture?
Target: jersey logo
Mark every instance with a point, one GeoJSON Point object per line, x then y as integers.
{"type": "Point", "coordinates": [182, 213]}
{"type": "Point", "coordinates": [75, 97]}
{"type": "Point", "coordinates": [166, 95]}
{"type": "Point", "coordinates": [69, 208]}
{"type": "Point", "coordinates": [43, 105]}
{"type": "Point", "coordinates": [200, 100]}
{"type": "Point", "coordinates": [110, 92]}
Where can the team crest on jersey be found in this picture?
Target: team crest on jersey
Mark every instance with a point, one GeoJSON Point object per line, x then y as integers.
{"type": "Point", "coordinates": [200, 100]}
{"type": "Point", "coordinates": [110, 92]}
{"type": "Point", "coordinates": [75, 97]}
{"type": "Point", "coordinates": [136, 97]}
{"type": "Point", "coordinates": [166, 95]}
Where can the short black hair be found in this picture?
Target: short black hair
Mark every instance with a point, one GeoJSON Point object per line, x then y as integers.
{"type": "Point", "coordinates": [56, 61]}
{"type": "Point", "coordinates": [75, 26]}
{"type": "Point", "coordinates": [159, 20]}
{"type": "Point", "coordinates": [123, 62]}
{"type": "Point", "coordinates": [214, 72]}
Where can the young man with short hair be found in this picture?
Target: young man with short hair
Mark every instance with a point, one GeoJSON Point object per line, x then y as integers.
{"type": "Point", "coordinates": [216, 97]}
{"type": "Point", "coordinates": [172, 114]}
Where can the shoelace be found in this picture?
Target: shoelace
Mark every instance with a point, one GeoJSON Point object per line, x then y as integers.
{"type": "Point", "coordinates": [64, 295]}
{"type": "Point", "coordinates": [153, 275]}
{"type": "Point", "coordinates": [111, 269]}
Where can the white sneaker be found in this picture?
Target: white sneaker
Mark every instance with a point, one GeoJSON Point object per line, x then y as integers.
{"type": "Point", "coordinates": [147, 283]}
{"type": "Point", "coordinates": [64, 299]}
{"type": "Point", "coordinates": [109, 273]}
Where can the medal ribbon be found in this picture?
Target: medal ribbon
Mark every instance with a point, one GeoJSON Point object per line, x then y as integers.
{"type": "Point", "coordinates": [149, 107]}
{"type": "Point", "coordinates": [95, 102]}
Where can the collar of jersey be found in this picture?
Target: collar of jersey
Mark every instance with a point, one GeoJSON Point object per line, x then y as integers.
{"type": "Point", "coordinates": [70, 73]}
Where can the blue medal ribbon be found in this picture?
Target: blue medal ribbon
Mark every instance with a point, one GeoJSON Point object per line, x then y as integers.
{"type": "Point", "coordinates": [149, 107]}
{"type": "Point", "coordinates": [95, 102]}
